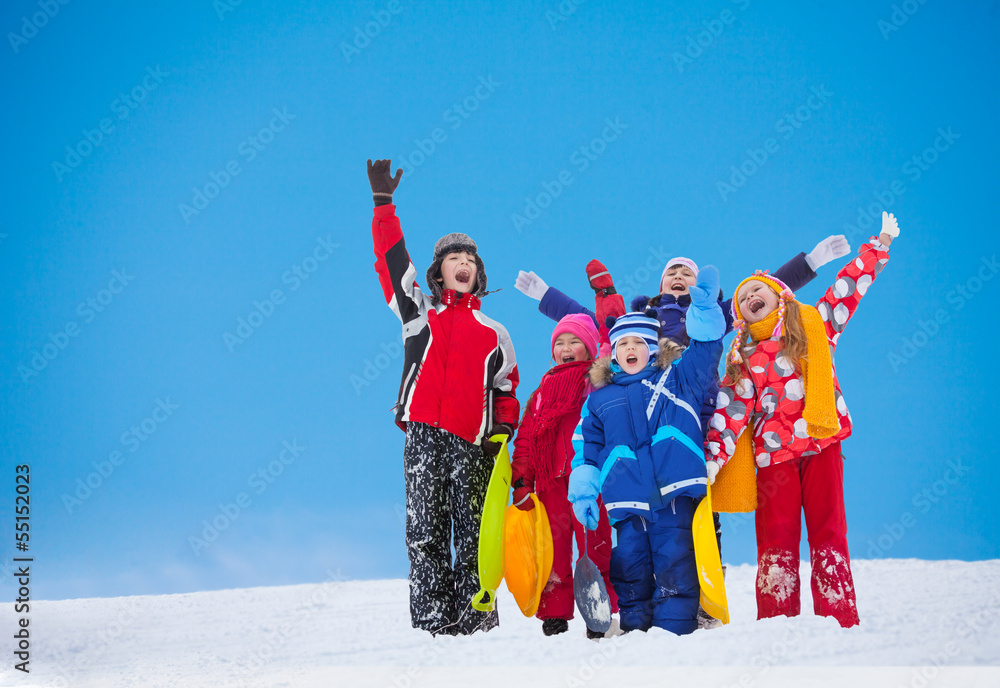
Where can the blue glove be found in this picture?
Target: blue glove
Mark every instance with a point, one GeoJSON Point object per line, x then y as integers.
{"type": "Point", "coordinates": [705, 321]}
{"type": "Point", "coordinates": [586, 512]}
{"type": "Point", "coordinates": [582, 493]}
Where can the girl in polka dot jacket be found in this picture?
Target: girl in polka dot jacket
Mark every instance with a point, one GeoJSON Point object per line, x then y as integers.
{"type": "Point", "coordinates": [781, 380]}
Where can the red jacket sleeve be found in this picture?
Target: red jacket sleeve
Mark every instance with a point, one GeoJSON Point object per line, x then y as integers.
{"type": "Point", "coordinates": [396, 272]}
{"type": "Point", "coordinates": [506, 408]}
{"type": "Point", "coordinates": [841, 300]}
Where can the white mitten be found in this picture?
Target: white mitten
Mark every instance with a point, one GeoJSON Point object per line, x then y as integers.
{"type": "Point", "coordinates": [713, 470]}
{"type": "Point", "coordinates": [530, 284]}
{"type": "Point", "coordinates": [889, 225]}
{"type": "Point", "coordinates": [831, 248]}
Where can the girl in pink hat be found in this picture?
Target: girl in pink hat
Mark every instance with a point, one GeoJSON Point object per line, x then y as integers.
{"type": "Point", "coordinates": [541, 465]}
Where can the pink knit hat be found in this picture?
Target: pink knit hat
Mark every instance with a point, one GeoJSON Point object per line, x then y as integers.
{"type": "Point", "coordinates": [578, 325]}
{"type": "Point", "coordinates": [679, 260]}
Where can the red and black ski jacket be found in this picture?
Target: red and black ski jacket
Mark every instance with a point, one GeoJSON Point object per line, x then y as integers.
{"type": "Point", "coordinates": [459, 370]}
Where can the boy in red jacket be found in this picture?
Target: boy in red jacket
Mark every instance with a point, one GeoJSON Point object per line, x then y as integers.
{"type": "Point", "coordinates": [458, 386]}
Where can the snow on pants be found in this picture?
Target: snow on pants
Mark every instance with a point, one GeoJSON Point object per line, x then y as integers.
{"type": "Point", "coordinates": [653, 570]}
{"type": "Point", "coordinates": [446, 479]}
{"type": "Point", "coordinates": [813, 484]}
{"type": "Point", "coordinates": [557, 596]}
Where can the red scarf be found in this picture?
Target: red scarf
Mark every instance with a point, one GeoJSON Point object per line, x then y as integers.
{"type": "Point", "coordinates": [560, 394]}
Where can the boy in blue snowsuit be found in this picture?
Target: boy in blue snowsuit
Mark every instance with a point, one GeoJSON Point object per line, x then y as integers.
{"type": "Point", "coordinates": [639, 446]}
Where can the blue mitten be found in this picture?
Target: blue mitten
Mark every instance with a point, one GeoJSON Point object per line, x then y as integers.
{"type": "Point", "coordinates": [582, 494]}
{"type": "Point", "coordinates": [705, 321]}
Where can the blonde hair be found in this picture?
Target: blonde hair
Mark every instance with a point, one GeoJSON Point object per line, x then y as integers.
{"type": "Point", "coordinates": [793, 343]}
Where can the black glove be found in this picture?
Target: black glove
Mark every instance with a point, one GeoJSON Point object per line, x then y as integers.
{"type": "Point", "coordinates": [493, 448]}
{"type": "Point", "coordinates": [382, 184]}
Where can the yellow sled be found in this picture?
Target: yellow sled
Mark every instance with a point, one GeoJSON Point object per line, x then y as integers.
{"type": "Point", "coordinates": [529, 555]}
{"type": "Point", "coordinates": [491, 530]}
{"type": "Point", "coordinates": [706, 554]}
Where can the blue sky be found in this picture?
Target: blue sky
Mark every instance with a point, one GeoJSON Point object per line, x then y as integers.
{"type": "Point", "coordinates": [175, 169]}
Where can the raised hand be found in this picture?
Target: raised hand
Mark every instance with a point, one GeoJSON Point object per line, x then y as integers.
{"type": "Point", "coordinates": [890, 229]}
{"type": "Point", "coordinates": [383, 185]}
{"type": "Point", "coordinates": [705, 321]}
{"type": "Point", "coordinates": [530, 284]}
{"type": "Point", "coordinates": [831, 248]}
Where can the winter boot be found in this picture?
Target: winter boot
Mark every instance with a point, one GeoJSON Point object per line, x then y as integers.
{"type": "Point", "coordinates": [594, 635]}
{"type": "Point", "coordinates": [554, 626]}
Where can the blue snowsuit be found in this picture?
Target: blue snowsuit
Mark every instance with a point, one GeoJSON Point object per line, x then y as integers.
{"type": "Point", "coordinates": [639, 446]}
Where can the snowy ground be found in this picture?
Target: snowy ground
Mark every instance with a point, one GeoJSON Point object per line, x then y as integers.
{"type": "Point", "coordinates": [916, 616]}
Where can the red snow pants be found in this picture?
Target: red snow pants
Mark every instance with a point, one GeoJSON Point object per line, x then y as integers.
{"type": "Point", "coordinates": [814, 485]}
{"type": "Point", "coordinates": [557, 596]}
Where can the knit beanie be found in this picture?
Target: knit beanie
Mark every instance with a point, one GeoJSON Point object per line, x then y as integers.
{"type": "Point", "coordinates": [635, 325]}
{"type": "Point", "coordinates": [578, 325]}
{"type": "Point", "coordinates": [679, 260]}
{"type": "Point", "coordinates": [784, 296]}
{"type": "Point", "coordinates": [455, 242]}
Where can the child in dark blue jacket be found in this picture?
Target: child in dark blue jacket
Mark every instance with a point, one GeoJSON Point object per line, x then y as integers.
{"type": "Point", "coordinates": [639, 446]}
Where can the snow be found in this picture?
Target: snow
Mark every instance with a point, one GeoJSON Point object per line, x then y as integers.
{"type": "Point", "coordinates": [923, 623]}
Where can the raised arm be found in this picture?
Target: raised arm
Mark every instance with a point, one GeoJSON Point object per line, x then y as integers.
{"type": "Point", "coordinates": [396, 272]}
{"type": "Point", "coordinates": [551, 302]}
{"type": "Point", "coordinates": [841, 300]}
{"type": "Point", "coordinates": [801, 269]}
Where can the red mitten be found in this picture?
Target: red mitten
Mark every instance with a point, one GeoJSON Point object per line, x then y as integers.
{"type": "Point", "coordinates": [599, 276]}
{"type": "Point", "coordinates": [523, 500]}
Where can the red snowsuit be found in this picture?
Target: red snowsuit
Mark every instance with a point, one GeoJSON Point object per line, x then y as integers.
{"type": "Point", "coordinates": [796, 472]}
{"type": "Point", "coordinates": [550, 485]}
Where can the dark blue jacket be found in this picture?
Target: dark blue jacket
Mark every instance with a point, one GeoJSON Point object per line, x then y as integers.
{"type": "Point", "coordinates": [647, 451]}
{"type": "Point", "coordinates": [671, 311]}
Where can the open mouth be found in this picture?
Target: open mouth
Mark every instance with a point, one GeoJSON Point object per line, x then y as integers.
{"type": "Point", "coordinates": [463, 276]}
{"type": "Point", "coordinates": [677, 287]}
{"type": "Point", "coordinates": [631, 360]}
{"type": "Point", "coordinates": [568, 358]}
{"type": "Point", "coordinates": [755, 304]}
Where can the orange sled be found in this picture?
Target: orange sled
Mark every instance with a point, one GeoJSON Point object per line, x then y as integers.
{"type": "Point", "coordinates": [529, 555]}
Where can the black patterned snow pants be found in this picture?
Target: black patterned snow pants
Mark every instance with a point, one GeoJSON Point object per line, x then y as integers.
{"type": "Point", "coordinates": [446, 480]}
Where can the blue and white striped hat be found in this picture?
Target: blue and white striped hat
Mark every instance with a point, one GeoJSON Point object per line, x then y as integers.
{"type": "Point", "coordinates": [635, 325]}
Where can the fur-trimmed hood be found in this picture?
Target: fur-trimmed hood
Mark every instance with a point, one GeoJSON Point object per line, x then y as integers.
{"type": "Point", "coordinates": [601, 373]}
